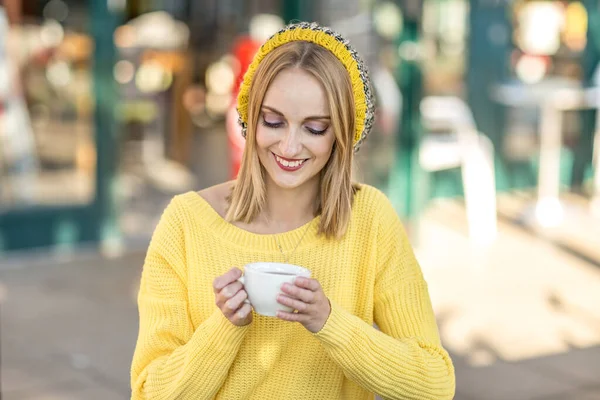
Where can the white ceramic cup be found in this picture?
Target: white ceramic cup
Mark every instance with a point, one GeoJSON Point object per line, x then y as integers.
{"type": "Point", "coordinates": [263, 280]}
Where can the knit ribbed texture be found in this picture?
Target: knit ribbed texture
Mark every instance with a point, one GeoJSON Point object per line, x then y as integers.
{"type": "Point", "coordinates": [187, 349]}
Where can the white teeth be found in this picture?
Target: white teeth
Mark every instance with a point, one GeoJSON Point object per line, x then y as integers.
{"type": "Point", "coordinates": [289, 164]}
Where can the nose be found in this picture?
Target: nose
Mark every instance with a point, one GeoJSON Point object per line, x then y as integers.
{"type": "Point", "coordinates": [290, 145]}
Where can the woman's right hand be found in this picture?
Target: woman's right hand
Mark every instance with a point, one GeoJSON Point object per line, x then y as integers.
{"type": "Point", "coordinates": [230, 296]}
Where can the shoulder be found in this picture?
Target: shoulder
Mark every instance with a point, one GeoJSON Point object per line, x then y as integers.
{"type": "Point", "coordinates": [217, 196]}
{"type": "Point", "coordinates": [372, 202]}
{"type": "Point", "coordinates": [204, 202]}
{"type": "Point", "coordinates": [391, 239]}
{"type": "Point", "coordinates": [374, 212]}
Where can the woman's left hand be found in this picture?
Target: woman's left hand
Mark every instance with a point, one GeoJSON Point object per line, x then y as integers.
{"type": "Point", "coordinates": [307, 297]}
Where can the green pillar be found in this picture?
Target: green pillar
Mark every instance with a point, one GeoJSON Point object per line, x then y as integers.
{"type": "Point", "coordinates": [489, 47]}
{"type": "Point", "coordinates": [103, 24]}
{"type": "Point", "coordinates": [296, 10]}
{"type": "Point", "coordinates": [582, 160]}
{"type": "Point", "coordinates": [406, 175]}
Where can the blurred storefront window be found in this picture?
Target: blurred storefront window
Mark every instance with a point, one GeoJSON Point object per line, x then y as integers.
{"type": "Point", "coordinates": [444, 39]}
{"type": "Point", "coordinates": [46, 120]}
{"type": "Point", "coordinates": [549, 39]}
{"type": "Point", "coordinates": [57, 136]}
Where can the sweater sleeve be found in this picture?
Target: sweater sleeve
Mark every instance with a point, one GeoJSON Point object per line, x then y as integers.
{"type": "Point", "coordinates": [172, 360]}
{"type": "Point", "coordinates": [404, 359]}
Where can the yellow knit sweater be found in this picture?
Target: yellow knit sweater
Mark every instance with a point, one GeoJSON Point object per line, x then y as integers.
{"type": "Point", "coordinates": [187, 349]}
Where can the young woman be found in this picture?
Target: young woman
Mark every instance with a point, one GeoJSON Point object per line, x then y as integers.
{"type": "Point", "coordinates": [305, 106]}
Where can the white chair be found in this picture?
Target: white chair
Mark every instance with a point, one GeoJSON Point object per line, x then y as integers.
{"type": "Point", "coordinates": [451, 141]}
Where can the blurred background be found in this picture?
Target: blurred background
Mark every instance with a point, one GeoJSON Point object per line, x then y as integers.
{"type": "Point", "coordinates": [485, 140]}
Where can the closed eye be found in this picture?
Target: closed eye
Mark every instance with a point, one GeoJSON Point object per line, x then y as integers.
{"type": "Point", "coordinates": [272, 124]}
{"type": "Point", "coordinates": [316, 131]}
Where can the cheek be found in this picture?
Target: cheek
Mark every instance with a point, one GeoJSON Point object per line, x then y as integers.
{"type": "Point", "coordinates": [324, 147]}
{"type": "Point", "coordinates": [264, 137]}
{"type": "Point", "coordinates": [261, 137]}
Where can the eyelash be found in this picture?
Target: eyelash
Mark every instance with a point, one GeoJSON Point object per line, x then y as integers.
{"type": "Point", "coordinates": [315, 132]}
{"type": "Point", "coordinates": [280, 124]}
{"type": "Point", "coordinates": [271, 125]}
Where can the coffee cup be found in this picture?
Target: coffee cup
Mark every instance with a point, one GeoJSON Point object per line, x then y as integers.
{"type": "Point", "coordinates": [263, 280]}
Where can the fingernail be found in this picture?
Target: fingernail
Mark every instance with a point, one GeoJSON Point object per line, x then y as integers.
{"type": "Point", "coordinates": [241, 314]}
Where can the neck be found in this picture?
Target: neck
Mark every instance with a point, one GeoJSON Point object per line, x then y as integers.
{"type": "Point", "coordinates": [288, 209]}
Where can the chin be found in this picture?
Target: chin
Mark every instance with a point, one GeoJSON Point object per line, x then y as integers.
{"type": "Point", "coordinates": [287, 183]}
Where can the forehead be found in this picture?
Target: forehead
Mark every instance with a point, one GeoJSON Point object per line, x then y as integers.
{"type": "Point", "coordinates": [297, 94]}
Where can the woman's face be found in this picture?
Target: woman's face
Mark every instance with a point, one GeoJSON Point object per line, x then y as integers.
{"type": "Point", "coordinates": [294, 135]}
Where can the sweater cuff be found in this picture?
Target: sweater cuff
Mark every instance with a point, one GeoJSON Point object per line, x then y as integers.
{"type": "Point", "coordinates": [221, 333]}
{"type": "Point", "coordinates": [339, 328]}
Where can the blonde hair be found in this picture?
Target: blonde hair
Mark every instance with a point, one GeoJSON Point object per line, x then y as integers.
{"type": "Point", "coordinates": [336, 189]}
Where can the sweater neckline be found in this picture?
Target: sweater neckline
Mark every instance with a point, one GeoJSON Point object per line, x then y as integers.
{"type": "Point", "coordinates": [301, 237]}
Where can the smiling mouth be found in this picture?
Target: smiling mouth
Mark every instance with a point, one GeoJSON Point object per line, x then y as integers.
{"type": "Point", "coordinates": [289, 165]}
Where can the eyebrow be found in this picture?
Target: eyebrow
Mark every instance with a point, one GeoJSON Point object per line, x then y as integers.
{"type": "Point", "coordinates": [274, 110]}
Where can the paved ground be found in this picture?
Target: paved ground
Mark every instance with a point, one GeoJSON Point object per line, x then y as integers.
{"type": "Point", "coordinates": [68, 328]}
